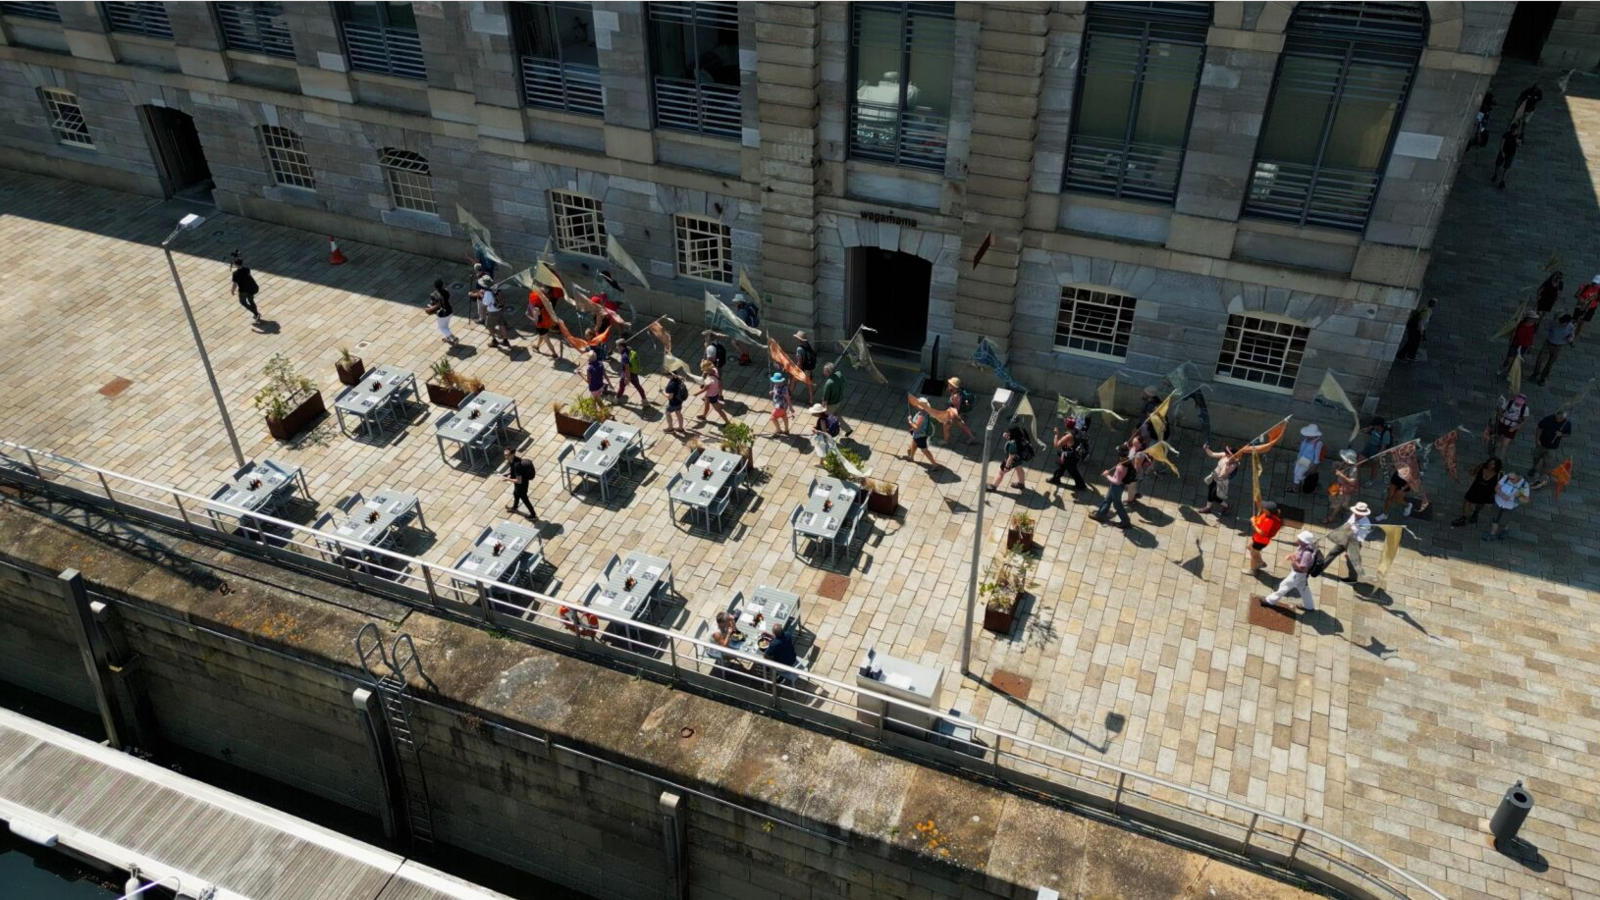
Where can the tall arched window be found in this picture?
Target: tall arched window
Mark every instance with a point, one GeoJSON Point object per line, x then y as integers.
{"type": "Point", "coordinates": [1342, 81]}
{"type": "Point", "coordinates": [1136, 83]}
{"type": "Point", "coordinates": [410, 180]}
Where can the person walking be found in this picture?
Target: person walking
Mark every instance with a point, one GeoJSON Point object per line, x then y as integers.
{"type": "Point", "coordinates": [1547, 437]}
{"type": "Point", "coordinates": [958, 399]}
{"type": "Point", "coordinates": [711, 391]}
{"type": "Point", "coordinates": [782, 403]}
{"type": "Point", "coordinates": [1399, 489]}
{"type": "Point", "coordinates": [1308, 461]}
{"type": "Point", "coordinates": [244, 286]}
{"type": "Point", "coordinates": [746, 310]}
{"type": "Point", "coordinates": [1416, 331]}
{"type": "Point", "coordinates": [1508, 420]}
{"type": "Point", "coordinates": [833, 395]}
{"type": "Point", "coordinates": [1509, 142]}
{"type": "Point", "coordinates": [1217, 481]}
{"type": "Point", "coordinates": [1346, 484]}
{"type": "Point", "coordinates": [439, 307]}
{"type": "Point", "coordinates": [1509, 493]}
{"type": "Point", "coordinates": [494, 318]}
{"type": "Point", "coordinates": [1549, 293]}
{"type": "Point", "coordinates": [1347, 538]}
{"type": "Point", "coordinates": [1521, 341]}
{"type": "Point", "coordinates": [1527, 102]}
{"type": "Point", "coordinates": [1303, 560]}
{"type": "Point", "coordinates": [1485, 478]}
{"type": "Point", "coordinates": [628, 367]}
{"type": "Point", "coordinates": [1557, 337]}
{"type": "Point", "coordinates": [520, 471]}
{"type": "Point", "coordinates": [1140, 460]}
{"type": "Point", "coordinates": [805, 356]}
{"type": "Point", "coordinates": [595, 375]}
{"type": "Point", "coordinates": [677, 394]}
{"type": "Point", "coordinates": [921, 426]}
{"type": "Point", "coordinates": [826, 422]}
{"type": "Point", "coordinates": [1264, 526]}
{"type": "Point", "coordinates": [1019, 449]}
{"type": "Point", "coordinates": [1072, 448]}
{"type": "Point", "coordinates": [1588, 298]}
{"type": "Point", "coordinates": [1119, 476]}
{"type": "Point", "coordinates": [544, 324]}
{"type": "Point", "coordinates": [1379, 437]}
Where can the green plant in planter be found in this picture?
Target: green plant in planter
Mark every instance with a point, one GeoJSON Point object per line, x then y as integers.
{"type": "Point", "coordinates": [591, 409]}
{"type": "Point", "coordinates": [284, 386]}
{"type": "Point", "coordinates": [737, 437]}
{"type": "Point", "coordinates": [834, 462]}
{"type": "Point", "coordinates": [1008, 578]}
{"type": "Point", "coordinates": [442, 373]}
{"type": "Point", "coordinates": [345, 356]}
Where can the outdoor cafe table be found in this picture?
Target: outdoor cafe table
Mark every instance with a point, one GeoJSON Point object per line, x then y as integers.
{"type": "Point", "coordinates": [614, 597]}
{"type": "Point", "coordinates": [520, 551]}
{"type": "Point", "coordinates": [591, 460]}
{"type": "Point", "coordinates": [393, 508]}
{"type": "Point", "coordinates": [825, 513]}
{"type": "Point", "coordinates": [695, 489]}
{"type": "Point", "coordinates": [477, 424]}
{"type": "Point", "coordinates": [772, 605]}
{"type": "Point", "coordinates": [258, 487]}
{"type": "Point", "coordinates": [374, 396]}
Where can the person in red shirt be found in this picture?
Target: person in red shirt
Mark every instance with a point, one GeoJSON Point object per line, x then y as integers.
{"type": "Point", "coordinates": [1521, 341]}
{"type": "Point", "coordinates": [1588, 302]}
{"type": "Point", "coordinates": [543, 324]}
{"type": "Point", "coordinates": [1264, 527]}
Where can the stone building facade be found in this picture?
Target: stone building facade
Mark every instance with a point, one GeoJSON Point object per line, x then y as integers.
{"type": "Point", "coordinates": [1266, 213]}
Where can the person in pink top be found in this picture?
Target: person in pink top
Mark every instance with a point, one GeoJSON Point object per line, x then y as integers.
{"type": "Point", "coordinates": [712, 391]}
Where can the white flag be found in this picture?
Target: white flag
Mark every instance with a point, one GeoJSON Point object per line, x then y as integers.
{"type": "Point", "coordinates": [616, 254]}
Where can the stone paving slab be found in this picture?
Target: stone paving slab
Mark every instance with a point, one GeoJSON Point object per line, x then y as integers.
{"type": "Point", "coordinates": [1394, 716]}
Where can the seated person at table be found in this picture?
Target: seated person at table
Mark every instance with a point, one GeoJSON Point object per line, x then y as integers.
{"type": "Point", "coordinates": [725, 629]}
{"type": "Point", "coordinates": [781, 650]}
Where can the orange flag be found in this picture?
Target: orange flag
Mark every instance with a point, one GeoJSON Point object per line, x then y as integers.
{"type": "Point", "coordinates": [1561, 475]}
{"type": "Point", "coordinates": [782, 361]}
{"type": "Point", "coordinates": [578, 343]}
{"type": "Point", "coordinates": [942, 416]}
{"type": "Point", "coordinates": [661, 334]}
{"type": "Point", "coordinates": [1272, 437]}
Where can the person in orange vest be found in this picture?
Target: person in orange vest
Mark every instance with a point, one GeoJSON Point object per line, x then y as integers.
{"type": "Point", "coordinates": [1264, 527]}
{"type": "Point", "coordinates": [543, 324]}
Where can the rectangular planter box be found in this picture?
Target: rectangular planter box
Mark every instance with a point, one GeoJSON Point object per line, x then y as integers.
{"type": "Point", "coordinates": [884, 504]}
{"type": "Point", "coordinates": [298, 419]}
{"type": "Point", "coordinates": [351, 374]}
{"type": "Point", "coordinates": [572, 426]}
{"type": "Point", "coordinates": [448, 397]}
{"type": "Point", "coordinates": [1001, 622]}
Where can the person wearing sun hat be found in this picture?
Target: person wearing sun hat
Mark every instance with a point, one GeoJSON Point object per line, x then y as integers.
{"type": "Point", "coordinates": [1347, 538]}
{"type": "Point", "coordinates": [1346, 484]}
{"type": "Point", "coordinates": [1302, 560]}
{"type": "Point", "coordinates": [958, 399]}
{"type": "Point", "coordinates": [781, 401]}
{"type": "Point", "coordinates": [1308, 463]}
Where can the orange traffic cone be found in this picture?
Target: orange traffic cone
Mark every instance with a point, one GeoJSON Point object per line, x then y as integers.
{"type": "Point", "coordinates": [335, 255]}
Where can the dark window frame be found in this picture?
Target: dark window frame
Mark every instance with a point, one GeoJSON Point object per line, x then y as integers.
{"type": "Point", "coordinates": [382, 49]}
{"type": "Point", "coordinates": [43, 12]}
{"type": "Point", "coordinates": [1106, 15]}
{"type": "Point", "coordinates": [1367, 41]}
{"type": "Point", "coordinates": [145, 18]}
{"type": "Point", "coordinates": [237, 22]}
{"type": "Point", "coordinates": [566, 86]}
{"type": "Point", "coordinates": [727, 101]}
{"type": "Point", "coordinates": [898, 158]}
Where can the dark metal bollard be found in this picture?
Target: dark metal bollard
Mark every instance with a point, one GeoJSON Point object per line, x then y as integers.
{"type": "Point", "coordinates": [1513, 811]}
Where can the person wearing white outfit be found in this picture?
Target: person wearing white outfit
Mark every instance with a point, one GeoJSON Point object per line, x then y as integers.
{"type": "Point", "coordinates": [1347, 538]}
{"type": "Point", "coordinates": [439, 307]}
{"type": "Point", "coordinates": [1302, 559]}
{"type": "Point", "coordinates": [1308, 462]}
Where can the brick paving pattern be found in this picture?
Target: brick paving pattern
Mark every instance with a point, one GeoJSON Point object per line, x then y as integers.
{"type": "Point", "coordinates": [1394, 716]}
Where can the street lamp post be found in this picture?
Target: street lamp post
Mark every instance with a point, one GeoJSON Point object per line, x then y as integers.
{"type": "Point", "coordinates": [1001, 398]}
{"type": "Point", "coordinates": [189, 223]}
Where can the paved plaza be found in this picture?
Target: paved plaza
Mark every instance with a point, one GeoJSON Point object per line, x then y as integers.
{"type": "Point", "coordinates": [1394, 717]}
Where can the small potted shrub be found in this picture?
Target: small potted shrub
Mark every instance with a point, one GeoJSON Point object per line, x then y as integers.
{"type": "Point", "coordinates": [449, 388]}
{"type": "Point", "coordinates": [1020, 533]}
{"type": "Point", "coordinates": [350, 368]}
{"type": "Point", "coordinates": [834, 463]}
{"type": "Point", "coordinates": [574, 420]}
{"type": "Point", "coordinates": [883, 497]}
{"type": "Point", "coordinates": [1009, 578]}
{"type": "Point", "coordinates": [738, 438]}
{"type": "Point", "coordinates": [289, 400]}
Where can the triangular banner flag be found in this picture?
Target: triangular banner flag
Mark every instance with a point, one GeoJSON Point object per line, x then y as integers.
{"type": "Point", "coordinates": [1331, 393]}
{"type": "Point", "coordinates": [616, 254]}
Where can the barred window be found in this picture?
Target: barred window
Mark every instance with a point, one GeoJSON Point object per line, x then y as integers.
{"type": "Point", "coordinates": [148, 19]}
{"type": "Point", "coordinates": [256, 28]}
{"type": "Point", "coordinates": [1094, 321]}
{"type": "Point", "coordinates": [1343, 76]}
{"type": "Point", "coordinates": [694, 64]}
{"type": "Point", "coordinates": [1263, 350]}
{"type": "Point", "coordinates": [382, 38]}
{"type": "Point", "coordinates": [705, 249]}
{"type": "Point", "coordinates": [66, 119]}
{"type": "Point", "coordinates": [410, 180]}
{"type": "Point", "coordinates": [1137, 77]}
{"type": "Point", "coordinates": [287, 159]}
{"type": "Point", "coordinates": [579, 226]}
{"type": "Point", "coordinates": [560, 61]}
{"type": "Point", "coordinates": [45, 11]}
{"type": "Point", "coordinates": [902, 57]}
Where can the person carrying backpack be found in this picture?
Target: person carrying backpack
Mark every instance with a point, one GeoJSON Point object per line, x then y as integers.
{"type": "Point", "coordinates": [827, 423]}
{"type": "Point", "coordinates": [747, 312]}
{"type": "Point", "coordinates": [833, 397]}
{"type": "Point", "coordinates": [960, 400]}
{"type": "Point", "coordinates": [1019, 450]}
{"type": "Point", "coordinates": [677, 394]}
{"type": "Point", "coordinates": [1305, 561]}
{"type": "Point", "coordinates": [1072, 448]}
{"type": "Point", "coordinates": [715, 352]}
{"type": "Point", "coordinates": [628, 372]}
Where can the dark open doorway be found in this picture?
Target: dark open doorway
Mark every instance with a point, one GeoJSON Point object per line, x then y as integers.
{"type": "Point", "coordinates": [1529, 29]}
{"type": "Point", "coordinates": [889, 294]}
{"type": "Point", "coordinates": [175, 145]}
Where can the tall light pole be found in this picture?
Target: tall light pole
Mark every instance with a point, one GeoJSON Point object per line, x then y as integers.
{"type": "Point", "coordinates": [189, 223]}
{"type": "Point", "coordinates": [1001, 398]}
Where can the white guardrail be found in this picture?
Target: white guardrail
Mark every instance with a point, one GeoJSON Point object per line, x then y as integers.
{"type": "Point", "coordinates": [819, 701]}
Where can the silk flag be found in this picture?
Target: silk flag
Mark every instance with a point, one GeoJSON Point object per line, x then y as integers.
{"type": "Point", "coordinates": [661, 334]}
{"type": "Point", "coordinates": [1512, 323]}
{"type": "Point", "coordinates": [750, 289]}
{"type": "Point", "coordinates": [1264, 441]}
{"type": "Point", "coordinates": [1025, 411]}
{"type": "Point", "coordinates": [1066, 407]}
{"type": "Point", "coordinates": [1162, 452]}
{"type": "Point", "coordinates": [616, 254]}
{"type": "Point", "coordinates": [856, 351]}
{"type": "Point", "coordinates": [1391, 547]}
{"type": "Point", "coordinates": [781, 360]}
{"type": "Point", "coordinates": [1106, 393]}
{"type": "Point", "coordinates": [1158, 418]}
{"type": "Point", "coordinates": [525, 278]}
{"type": "Point", "coordinates": [942, 416]}
{"type": "Point", "coordinates": [672, 364]}
{"type": "Point", "coordinates": [598, 307]}
{"type": "Point", "coordinates": [1331, 393]}
{"type": "Point", "coordinates": [720, 318]}
{"type": "Point", "coordinates": [578, 343]}
{"type": "Point", "coordinates": [1255, 479]}
{"type": "Point", "coordinates": [1446, 445]}
{"type": "Point", "coordinates": [1514, 375]}
{"type": "Point", "coordinates": [478, 234]}
{"type": "Point", "coordinates": [1577, 399]}
{"type": "Point", "coordinates": [985, 354]}
{"type": "Point", "coordinates": [1561, 475]}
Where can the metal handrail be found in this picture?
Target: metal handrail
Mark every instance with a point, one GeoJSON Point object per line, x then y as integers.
{"type": "Point", "coordinates": [21, 464]}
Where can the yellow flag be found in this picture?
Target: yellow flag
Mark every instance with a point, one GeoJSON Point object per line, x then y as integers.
{"type": "Point", "coordinates": [748, 288]}
{"type": "Point", "coordinates": [1255, 479]}
{"type": "Point", "coordinates": [1514, 376]}
{"type": "Point", "coordinates": [1391, 547]}
{"type": "Point", "coordinates": [1158, 419]}
{"type": "Point", "coordinates": [1106, 393]}
{"type": "Point", "coordinates": [1160, 453]}
{"type": "Point", "coordinates": [1512, 323]}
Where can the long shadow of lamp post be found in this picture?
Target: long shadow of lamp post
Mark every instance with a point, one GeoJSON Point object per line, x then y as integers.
{"type": "Point", "coordinates": [189, 223]}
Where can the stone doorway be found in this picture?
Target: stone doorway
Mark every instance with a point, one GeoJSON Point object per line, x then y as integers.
{"type": "Point", "coordinates": [888, 293]}
{"type": "Point", "coordinates": [175, 147]}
